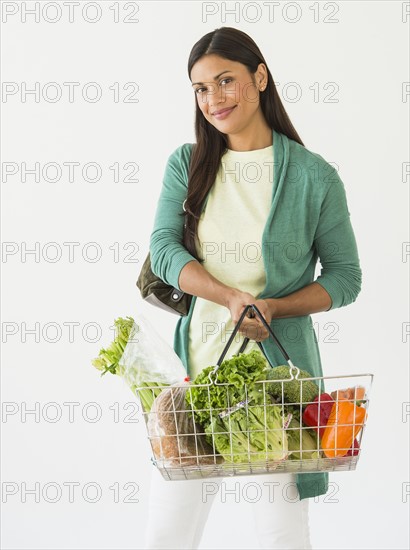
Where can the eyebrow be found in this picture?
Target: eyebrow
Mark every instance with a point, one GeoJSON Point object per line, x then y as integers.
{"type": "Point", "coordinates": [215, 77]}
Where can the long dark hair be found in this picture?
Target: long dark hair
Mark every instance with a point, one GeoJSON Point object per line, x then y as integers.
{"type": "Point", "coordinates": [235, 45]}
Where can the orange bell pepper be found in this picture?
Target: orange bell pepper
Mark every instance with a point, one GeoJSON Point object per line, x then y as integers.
{"type": "Point", "coordinates": [345, 422]}
{"type": "Point", "coordinates": [356, 393]}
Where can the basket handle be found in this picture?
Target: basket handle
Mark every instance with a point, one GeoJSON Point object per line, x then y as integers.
{"type": "Point", "coordinates": [245, 343]}
{"type": "Point", "coordinates": [252, 310]}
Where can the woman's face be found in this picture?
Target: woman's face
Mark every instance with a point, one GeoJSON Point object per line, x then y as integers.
{"type": "Point", "coordinates": [220, 84]}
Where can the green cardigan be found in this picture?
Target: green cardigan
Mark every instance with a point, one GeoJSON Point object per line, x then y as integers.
{"type": "Point", "coordinates": [308, 220]}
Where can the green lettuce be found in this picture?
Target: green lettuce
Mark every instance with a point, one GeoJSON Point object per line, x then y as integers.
{"type": "Point", "coordinates": [309, 441]}
{"type": "Point", "coordinates": [241, 369]}
{"type": "Point", "coordinates": [247, 436]}
{"type": "Point", "coordinates": [233, 412]}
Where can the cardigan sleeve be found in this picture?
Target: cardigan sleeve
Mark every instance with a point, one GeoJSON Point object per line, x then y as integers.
{"type": "Point", "coordinates": [335, 243]}
{"type": "Point", "coordinates": [168, 255]}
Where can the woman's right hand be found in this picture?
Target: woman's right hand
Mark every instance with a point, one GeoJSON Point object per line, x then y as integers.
{"type": "Point", "coordinates": [250, 327]}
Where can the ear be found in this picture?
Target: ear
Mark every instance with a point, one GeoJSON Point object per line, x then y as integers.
{"type": "Point", "coordinates": [261, 75]}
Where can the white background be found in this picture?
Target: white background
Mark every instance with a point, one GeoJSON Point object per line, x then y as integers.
{"type": "Point", "coordinates": [364, 51]}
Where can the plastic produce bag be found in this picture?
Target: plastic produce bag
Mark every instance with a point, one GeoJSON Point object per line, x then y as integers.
{"type": "Point", "coordinates": [148, 358]}
{"type": "Point", "coordinates": [176, 440]}
{"type": "Point", "coordinates": [149, 361]}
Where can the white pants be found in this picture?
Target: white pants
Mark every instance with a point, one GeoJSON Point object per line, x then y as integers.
{"type": "Point", "coordinates": [178, 511]}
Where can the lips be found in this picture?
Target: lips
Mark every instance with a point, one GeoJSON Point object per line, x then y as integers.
{"type": "Point", "coordinates": [223, 110]}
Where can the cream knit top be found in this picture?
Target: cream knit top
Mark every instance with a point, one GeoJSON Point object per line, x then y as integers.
{"type": "Point", "coordinates": [230, 236]}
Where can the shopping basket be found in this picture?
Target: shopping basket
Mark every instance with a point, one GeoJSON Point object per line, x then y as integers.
{"type": "Point", "coordinates": [263, 439]}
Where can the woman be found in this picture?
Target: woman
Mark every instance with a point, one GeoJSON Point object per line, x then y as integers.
{"type": "Point", "coordinates": [261, 209]}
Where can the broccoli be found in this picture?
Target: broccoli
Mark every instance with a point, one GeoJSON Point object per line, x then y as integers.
{"type": "Point", "coordinates": [291, 388]}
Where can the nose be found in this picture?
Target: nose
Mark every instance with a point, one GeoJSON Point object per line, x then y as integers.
{"type": "Point", "coordinates": [214, 97]}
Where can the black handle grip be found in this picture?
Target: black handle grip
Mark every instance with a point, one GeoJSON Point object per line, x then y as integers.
{"type": "Point", "coordinates": [253, 310]}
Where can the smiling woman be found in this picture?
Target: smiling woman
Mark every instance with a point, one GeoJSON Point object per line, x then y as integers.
{"type": "Point", "coordinates": [233, 99]}
{"type": "Point", "coordinates": [246, 185]}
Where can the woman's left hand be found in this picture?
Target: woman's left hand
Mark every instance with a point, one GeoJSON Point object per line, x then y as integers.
{"type": "Point", "coordinates": [253, 328]}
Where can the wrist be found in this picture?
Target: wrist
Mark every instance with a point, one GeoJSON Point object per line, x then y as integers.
{"type": "Point", "coordinates": [229, 295]}
{"type": "Point", "coordinates": [273, 306]}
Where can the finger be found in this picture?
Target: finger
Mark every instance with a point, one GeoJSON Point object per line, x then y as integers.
{"type": "Point", "coordinates": [248, 325]}
{"type": "Point", "coordinates": [249, 332]}
{"type": "Point", "coordinates": [255, 333]}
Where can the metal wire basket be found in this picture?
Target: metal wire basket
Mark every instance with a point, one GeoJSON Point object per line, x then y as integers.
{"type": "Point", "coordinates": [270, 436]}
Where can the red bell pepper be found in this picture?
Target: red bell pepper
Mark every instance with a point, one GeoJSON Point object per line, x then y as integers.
{"type": "Point", "coordinates": [317, 414]}
{"type": "Point", "coordinates": [354, 450]}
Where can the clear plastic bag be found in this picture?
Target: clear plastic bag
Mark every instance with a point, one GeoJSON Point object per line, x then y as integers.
{"type": "Point", "coordinates": [147, 358]}
{"type": "Point", "coordinates": [176, 440]}
{"type": "Point", "coordinates": [149, 362]}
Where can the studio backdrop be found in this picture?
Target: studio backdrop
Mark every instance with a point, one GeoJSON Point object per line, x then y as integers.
{"type": "Point", "coordinates": [95, 98]}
